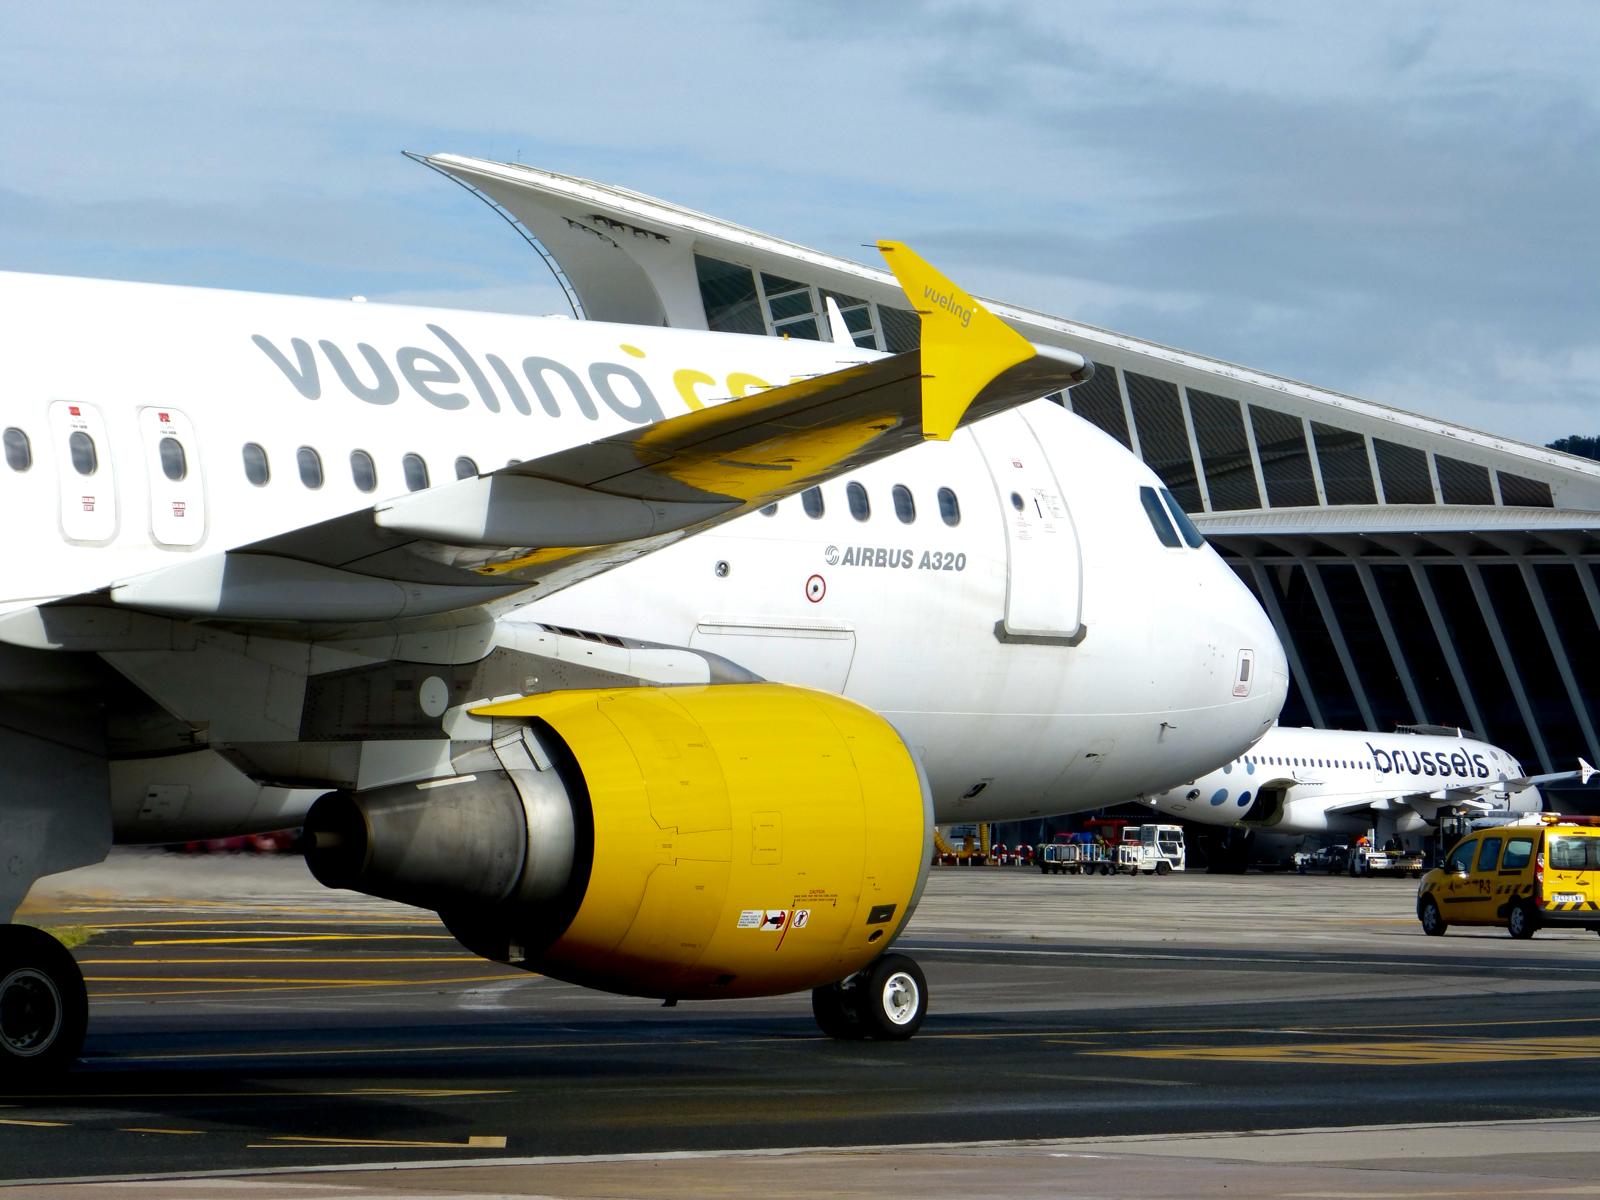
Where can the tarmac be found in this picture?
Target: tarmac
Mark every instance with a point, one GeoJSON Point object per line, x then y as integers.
{"type": "Point", "coordinates": [255, 1034]}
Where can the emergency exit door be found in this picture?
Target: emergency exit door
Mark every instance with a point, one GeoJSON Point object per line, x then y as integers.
{"type": "Point", "coordinates": [86, 483]}
{"type": "Point", "coordinates": [172, 473]}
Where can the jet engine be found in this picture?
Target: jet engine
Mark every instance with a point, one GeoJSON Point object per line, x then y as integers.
{"type": "Point", "coordinates": [686, 842]}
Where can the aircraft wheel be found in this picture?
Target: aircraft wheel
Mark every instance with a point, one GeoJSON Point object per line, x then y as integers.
{"type": "Point", "coordinates": [1520, 922]}
{"type": "Point", "coordinates": [1433, 922]}
{"type": "Point", "coordinates": [44, 1007]}
{"type": "Point", "coordinates": [892, 998]}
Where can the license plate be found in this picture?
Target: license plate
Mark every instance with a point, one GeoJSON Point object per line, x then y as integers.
{"type": "Point", "coordinates": [1568, 897]}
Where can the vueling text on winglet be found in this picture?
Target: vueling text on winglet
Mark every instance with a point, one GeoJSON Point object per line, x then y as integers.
{"type": "Point", "coordinates": [947, 301]}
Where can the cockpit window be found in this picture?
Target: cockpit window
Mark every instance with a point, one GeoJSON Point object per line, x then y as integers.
{"type": "Point", "coordinates": [1159, 521]}
{"type": "Point", "coordinates": [1185, 526]}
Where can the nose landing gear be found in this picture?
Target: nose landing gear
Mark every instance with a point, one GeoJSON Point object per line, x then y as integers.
{"type": "Point", "coordinates": [44, 1007]}
{"type": "Point", "coordinates": [884, 1002]}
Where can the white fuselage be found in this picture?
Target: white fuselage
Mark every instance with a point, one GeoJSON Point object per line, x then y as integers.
{"type": "Point", "coordinates": [1129, 682]}
{"type": "Point", "coordinates": [1336, 781]}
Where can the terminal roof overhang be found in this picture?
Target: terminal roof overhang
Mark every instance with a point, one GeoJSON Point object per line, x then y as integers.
{"type": "Point", "coordinates": [629, 257]}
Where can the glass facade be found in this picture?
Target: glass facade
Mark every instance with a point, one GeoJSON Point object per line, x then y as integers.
{"type": "Point", "coordinates": [1346, 470]}
{"type": "Point", "coordinates": [1250, 455]}
{"type": "Point", "coordinates": [1535, 665]}
{"type": "Point", "coordinates": [729, 294]}
{"type": "Point", "coordinates": [1285, 461]}
{"type": "Point", "coordinates": [1163, 435]}
{"type": "Point", "coordinates": [902, 330]}
{"type": "Point", "coordinates": [1429, 669]}
{"type": "Point", "coordinates": [1462, 482]}
{"type": "Point", "coordinates": [1486, 679]}
{"type": "Point", "coordinates": [857, 316]}
{"type": "Point", "coordinates": [793, 307]}
{"type": "Point", "coordinates": [1224, 452]}
{"type": "Point", "coordinates": [1404, 471]}
{"type": "Point", "coordinates": [1099, 402]}
{"type": "Point", "coordinates": [1524, 493]}
{"type": "Point", "coordinates": [1325, 675]}
{"type": "Point", "coordinates": [1381, 686]}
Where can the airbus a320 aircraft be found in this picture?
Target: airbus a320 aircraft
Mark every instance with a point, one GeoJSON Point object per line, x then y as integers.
{"type": "Point", "coordinates": [503, 587]}
{"type": "Point", "coordinates": [1307, 781]}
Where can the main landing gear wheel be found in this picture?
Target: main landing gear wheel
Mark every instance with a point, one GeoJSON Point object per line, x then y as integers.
{"type": "Point", "coordinates": [44, 1007]}
{"type": "Point", "coordinates": [886, 1002]}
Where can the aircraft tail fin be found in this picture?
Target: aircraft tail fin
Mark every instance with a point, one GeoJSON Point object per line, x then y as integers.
{"type": "Point", "coordinates": [1585, 771]}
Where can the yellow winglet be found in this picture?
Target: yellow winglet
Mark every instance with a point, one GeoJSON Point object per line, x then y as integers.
{"type": "Point", "coordinates": [964, 345]}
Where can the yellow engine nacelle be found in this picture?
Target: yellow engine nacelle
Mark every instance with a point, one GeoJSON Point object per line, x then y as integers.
{"type": "Point", "coordinates": [729, 840]}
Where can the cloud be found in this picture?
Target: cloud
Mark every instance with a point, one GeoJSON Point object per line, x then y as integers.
{"type": "Point", "coordinates": [1328, 195]}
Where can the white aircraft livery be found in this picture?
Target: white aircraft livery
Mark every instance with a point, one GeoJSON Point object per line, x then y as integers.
{"type": "Point", "coordinates": [647, 657]}
{"type": "Point", "coordinates": [1336, 781]}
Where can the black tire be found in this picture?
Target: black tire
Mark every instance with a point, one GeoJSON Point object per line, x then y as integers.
{"type": "Point", "coordinates": [1433, 922]}
{"type": "Point", "coordinates": [1163, 867]}
{"type": "Point", "coordinates": [44, 1007]}
{"type": "Point", "coordinates": [833, 1006]}
{"type": "Point", "coordinates": [892, 998]}
{"type": "Point", "coordinates": [1521, 923]}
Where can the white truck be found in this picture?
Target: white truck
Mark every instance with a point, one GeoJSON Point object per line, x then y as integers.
{"type": "Point", "coordinates": [1152, 850]}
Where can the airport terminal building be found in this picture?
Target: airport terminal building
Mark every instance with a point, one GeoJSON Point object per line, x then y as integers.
{"type": "Point", "coordinates": [1418, 572]}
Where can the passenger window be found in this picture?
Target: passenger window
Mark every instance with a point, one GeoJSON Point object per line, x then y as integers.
{"type": "Point", "coordinates": [256, 468]}
{"type": "Point", "coordinates": [310, 463]}
{"type": "Point", "coordinates": [1191, 534]}
{"type": "Point", "coordinates": [1518, 852]}
{"type": "Point", "coordinates": [1460, 860]}
{"type": "Point", "coordinates": [363, 471]}
{"type": "Point", "coordinates": [84, 459]}
{"type": "Point", "coordinates": [905, 507]}
{"type": "Point", "coordinates": [860, 508]}
{"type": "Point", "coordinates": [1158, 517]}
{"type": "Point", "coordinates": [19, 451]}
{"type": "Point", "coordinates": [416, 472]}
{"type": "Point", "coordinates": [1490, 854]}
{"type": "Point", "coordinates": [949, 507]}
{"type": "Point", "coordinates": [465, 468]}
{"type": "Point", "coordinates": [769, 510]}
{"type": "Point", "coordinates": [1016, 501]}
{"type": "Point", "coordinates": [811, 501]}
{"type": "Point", "coordinates": [174, 463]}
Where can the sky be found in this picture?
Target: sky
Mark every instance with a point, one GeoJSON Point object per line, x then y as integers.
{"type": "Point", "coordinates": [1396, 200]}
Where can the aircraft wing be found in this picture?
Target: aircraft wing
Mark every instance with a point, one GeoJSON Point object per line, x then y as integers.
{"type": "Point", "coordinates": [500, 540]}
{"type": "Point", "coordinates": [1428, 804]}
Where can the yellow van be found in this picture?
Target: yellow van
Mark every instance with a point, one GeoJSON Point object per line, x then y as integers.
{"type": "Point", "coordinates": [1545, 872]}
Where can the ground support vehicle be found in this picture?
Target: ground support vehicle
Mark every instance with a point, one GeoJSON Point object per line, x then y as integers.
{"type": "Point", "coordinates": [1153, 850]}
{"type": "Point", "coordinates": [1075, 858]}
{"type": "Point", "coordinates": [1540, 872]}
{"type": "Point", "coordinates": [1387, 862]}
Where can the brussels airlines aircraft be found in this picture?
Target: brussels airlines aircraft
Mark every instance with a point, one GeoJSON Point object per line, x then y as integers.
{"type": "Point", "coordinates": [511, 591]}
{"type": "Point", "coordinates": [1334, 781]}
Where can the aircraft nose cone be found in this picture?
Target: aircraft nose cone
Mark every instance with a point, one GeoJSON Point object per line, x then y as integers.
{"type": "Point", "coordinates": [1258, 678]}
